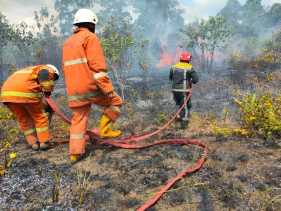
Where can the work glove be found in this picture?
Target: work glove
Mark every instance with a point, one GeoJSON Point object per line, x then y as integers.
{"type": "Point", "coordinates": [110, 94]}
{"type": "Point", "coordinates": [103, 82]}
{"type": "Point", "coordinates": [48, 109]}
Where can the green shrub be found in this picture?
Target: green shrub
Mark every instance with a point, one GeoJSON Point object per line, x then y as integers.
{"type": "Point", "coordinates": [260, 115]}
{"type": "Point", "coordinates": [9, 131]}
{"type": "Point", "coordinates": [5, 114]}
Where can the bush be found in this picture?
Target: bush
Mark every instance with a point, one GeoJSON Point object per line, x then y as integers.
{"type": "Point", "coordinates": [269, 60]}
{"type": "Point", "coordinates": [225, 126]}
{"type": "Point", "coordinates": [239, 61]}
{"type": "Point", "coordinates": [260, 115]}
{"type": "Point", "coordinates": [8, 130]}
{"type": "Point", "coordinates": [5, 114]}
{"type": "Point", "coordinates": [8, 135]}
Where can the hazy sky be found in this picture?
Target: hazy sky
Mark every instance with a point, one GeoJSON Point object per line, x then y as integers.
{"type": "Point", "coordinates": [204, 8]}
{"type": "Point", "coordinates": [19, 10]}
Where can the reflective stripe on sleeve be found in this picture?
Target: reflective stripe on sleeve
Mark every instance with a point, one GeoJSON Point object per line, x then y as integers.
{"type": "Point", "coordinates": [77, 136]}
{"type": "Point", "coordinates": [75, 61]}
{"type": "Point", "coordinates": [97, 76]}
{"type": "Point", "coordinates": [20, 94]}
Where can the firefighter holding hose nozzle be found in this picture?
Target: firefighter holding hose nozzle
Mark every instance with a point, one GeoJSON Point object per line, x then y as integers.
{"type": "Point", "coordinates": [182, 76]}
{"type": "Point", "coordinates": [23, 93]}
{"type": "Point", "coordinates": [87, 83]}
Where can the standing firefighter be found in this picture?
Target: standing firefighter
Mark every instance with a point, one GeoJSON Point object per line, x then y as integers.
{"type": "Point", "coordinates": [182, 76]}
{"type": "Point", "coordinates": [87, 83]}
{"type": "Point", "coordinates": [23, 94]}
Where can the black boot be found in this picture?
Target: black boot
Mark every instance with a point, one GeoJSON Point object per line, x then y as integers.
{"type": "Point", "coordinates": [184, 124]}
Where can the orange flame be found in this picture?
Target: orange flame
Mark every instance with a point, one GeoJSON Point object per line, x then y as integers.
{"type": "Point", "coordinates": [168, 58]}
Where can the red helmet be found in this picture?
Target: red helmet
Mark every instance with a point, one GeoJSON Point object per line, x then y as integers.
{"type": "Point", "coordinates": [185, 56]}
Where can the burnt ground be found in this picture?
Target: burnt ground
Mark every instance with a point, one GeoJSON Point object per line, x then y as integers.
{"type": "Point", "coordinates": [240, 174]}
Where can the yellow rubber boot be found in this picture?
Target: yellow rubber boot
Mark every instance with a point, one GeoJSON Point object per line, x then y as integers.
{"type": "Point", "coordinates": [105, 129]}
{"type": "Point", "coordinates": [74, 158]}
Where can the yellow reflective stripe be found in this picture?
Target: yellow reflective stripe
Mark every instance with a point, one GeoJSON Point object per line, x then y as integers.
{"type": "Point", "coordinates": [183, 65]}
{"type": "Point", "coordinates": [45, 113]}
{"type": "Point", "coordinates": [29, 132]}
{"type": "Point", "coordinates": [83, 97]}
{"type": "Point", "coordinates": [75, 61]}
{"type": "Point", "coordinates": [99, 75]}
{"type": "Point", "coordinates": [77, 136]}
{"type": "Point", "coordinates": [41, 129]}
{"type": "Point", "coordinates": [20, 94]}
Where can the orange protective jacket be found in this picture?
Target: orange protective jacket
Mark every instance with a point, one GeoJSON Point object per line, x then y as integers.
{"type": "Point", "coordinates": [84, 68]}
{"type": "Point", "coordinates": [25, 86]}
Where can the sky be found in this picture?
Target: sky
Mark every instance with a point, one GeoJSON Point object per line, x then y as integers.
{"type": "Point", "coordinates": [23, 10]}
{"type": "Point", "coordinates": [195, 9]}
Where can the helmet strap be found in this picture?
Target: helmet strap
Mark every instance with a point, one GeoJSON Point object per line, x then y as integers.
{"type": "Point", "coordinates": [90, 26]}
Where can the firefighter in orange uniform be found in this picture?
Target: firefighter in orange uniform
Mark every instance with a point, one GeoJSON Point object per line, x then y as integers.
{"type": "Point", "coordinates": [87, 83]}
{"type": "Point", "coordinates": [23, 94]}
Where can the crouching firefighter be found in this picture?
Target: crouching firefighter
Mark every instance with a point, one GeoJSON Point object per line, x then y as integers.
{"type": "Point", "coordinates": [87, 83]}
{"type": "Point", "coordinates": [23, 93]}
{"type": "Point", "coordinates": [182, 76]}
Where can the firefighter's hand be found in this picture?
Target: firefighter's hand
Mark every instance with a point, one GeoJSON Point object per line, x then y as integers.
{"type": "Point", "coordinates": [47, 108]}
{"type": "Point", "coordinates": [188, 90]}
{"type": "Point", "coordinates": [110, 94]}
{"type": "Point", "coordinates": [44, 101]}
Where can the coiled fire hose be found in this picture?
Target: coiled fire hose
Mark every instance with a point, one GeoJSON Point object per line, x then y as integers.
{"type": "Point", "coordinates": [134, 142]}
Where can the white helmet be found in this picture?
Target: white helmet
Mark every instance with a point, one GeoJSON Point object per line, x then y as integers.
{"type": "Point", "coordinates": [57, 72]}
{"type": "Point", "coordinates": [85, 16]}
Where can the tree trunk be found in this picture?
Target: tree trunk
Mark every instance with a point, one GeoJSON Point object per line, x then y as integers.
{"type": "Point", "coordinates": [203, 58]}
{"type": "Point", "coordinates": [212, 59]}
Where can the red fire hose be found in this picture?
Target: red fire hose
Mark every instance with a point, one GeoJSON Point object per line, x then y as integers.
{"type": "Point", "coordinates": [133, 142]}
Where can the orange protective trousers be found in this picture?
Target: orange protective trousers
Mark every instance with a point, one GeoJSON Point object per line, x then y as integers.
{"type": "Point", "coordinates": [80, 118]}
{"type": "Point", "coordinates": [32, 120]}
